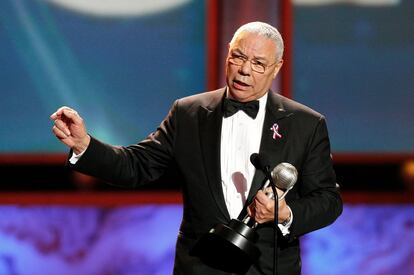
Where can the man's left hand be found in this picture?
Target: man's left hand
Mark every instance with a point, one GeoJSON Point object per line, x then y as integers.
{"type": "Point", "coordinates": [262, 208]}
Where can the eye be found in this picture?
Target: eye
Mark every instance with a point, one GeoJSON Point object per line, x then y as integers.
{"type": "Point", "coordinates": [238, 56]}
{"type": "Point", "coordinates": [258, 63]}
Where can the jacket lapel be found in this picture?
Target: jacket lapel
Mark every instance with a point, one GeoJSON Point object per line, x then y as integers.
{"type": "Point", "coordinates": [210, 120]}
{"type": "Point", "coordinates": [270, 146]}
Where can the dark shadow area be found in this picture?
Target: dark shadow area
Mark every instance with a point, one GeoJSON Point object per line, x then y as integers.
{"type": "Point", "coordinates": [47, 177]}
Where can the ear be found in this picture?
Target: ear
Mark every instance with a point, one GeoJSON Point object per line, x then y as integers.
{"type": "Point", "coordinates": [277, 68]}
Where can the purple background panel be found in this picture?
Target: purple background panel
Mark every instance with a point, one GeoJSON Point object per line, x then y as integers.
{"type": "Point", "coordinates": [66, 240]}
{"type": "Point", "coordinates": [88, 240]}
{"type": "Point", "coordinates": [366, 240]}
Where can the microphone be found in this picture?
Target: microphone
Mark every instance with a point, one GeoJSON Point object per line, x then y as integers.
{"type": "Point", "coordinates": [283, 176]}
{"type": "Point", "coordinates": [260, 162]}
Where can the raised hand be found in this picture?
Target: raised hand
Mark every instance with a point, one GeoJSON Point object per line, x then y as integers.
{"type": "Point", "coordinates": [70, 129]}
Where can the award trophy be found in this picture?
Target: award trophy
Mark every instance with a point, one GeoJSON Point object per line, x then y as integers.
{"type": "Point", "coordinates": [233, 245]}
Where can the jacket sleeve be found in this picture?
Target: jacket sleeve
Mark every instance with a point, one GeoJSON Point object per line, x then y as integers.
{"type": "Point", "coordinates": [135, 164]}
{"type": "Point", "coordinates": [319, 202]}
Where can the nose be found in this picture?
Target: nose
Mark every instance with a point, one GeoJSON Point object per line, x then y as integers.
{"type": "Point", "coordinates": [245, 68]}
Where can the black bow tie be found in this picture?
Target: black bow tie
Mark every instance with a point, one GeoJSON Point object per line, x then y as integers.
{"type": "Point", "coordinates": [230, 107]}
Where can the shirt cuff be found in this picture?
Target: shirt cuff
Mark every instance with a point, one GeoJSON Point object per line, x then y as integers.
{"type": "Point", "coordinates": [285, 228]}
{"type": "Point", "coordinates": [75, 157]}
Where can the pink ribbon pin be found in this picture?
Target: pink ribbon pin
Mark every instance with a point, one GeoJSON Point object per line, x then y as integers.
{"type": "Point", "coordinates": [275, 129]}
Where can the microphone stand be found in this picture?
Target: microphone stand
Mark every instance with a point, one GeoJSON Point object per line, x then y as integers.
{"type": "Point", "coordinates": [276, 220]}
{"type": "Point", "coordinates": [276, 216]}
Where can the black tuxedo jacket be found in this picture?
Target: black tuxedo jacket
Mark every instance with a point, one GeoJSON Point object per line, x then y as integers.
{"type": "Point", "coordinates": [189, 140]}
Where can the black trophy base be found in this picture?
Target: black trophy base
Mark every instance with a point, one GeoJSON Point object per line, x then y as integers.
{"type": "Point", "coordinates": [230, 248]}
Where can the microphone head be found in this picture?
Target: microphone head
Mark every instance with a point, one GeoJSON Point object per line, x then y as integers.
{"type": "Point", "coordinates": [284, 176]}
{"type": "Point", "coordinates": [255, 160]}
{"type": "Point", "coordinates": [260, 162]}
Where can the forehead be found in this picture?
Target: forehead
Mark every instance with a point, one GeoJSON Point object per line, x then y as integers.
{"type": "Point", "coordinates": [254, 45]}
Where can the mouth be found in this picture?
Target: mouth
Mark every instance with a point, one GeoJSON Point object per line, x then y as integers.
{"type": "Point", "coordinates": [240, 84]}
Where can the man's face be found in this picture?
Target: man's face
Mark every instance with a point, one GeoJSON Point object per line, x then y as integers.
{"type": "Point", "coordinates": [244, 83]}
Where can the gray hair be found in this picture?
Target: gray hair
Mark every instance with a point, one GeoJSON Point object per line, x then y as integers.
{"type": "Point", "coordinates": [263, 29]}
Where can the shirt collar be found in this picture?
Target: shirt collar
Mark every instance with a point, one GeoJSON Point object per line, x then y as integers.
{"type": "Point", "coordinates": [262, 100]}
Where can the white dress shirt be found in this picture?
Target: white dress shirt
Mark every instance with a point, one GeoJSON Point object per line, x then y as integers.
{"type": "Point", "coordinates": [240, 137]}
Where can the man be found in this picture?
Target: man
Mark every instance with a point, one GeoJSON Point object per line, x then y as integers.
{"type": "Point", "coordinates": [209, 142]}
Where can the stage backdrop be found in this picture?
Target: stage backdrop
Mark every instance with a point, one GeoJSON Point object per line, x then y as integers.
{"type": "Point", "coordinates": [121, 64]}
{"type": "Point", "coordinates": [354, 62]}
{"type": "Point", "coordinates": [68, 240]}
